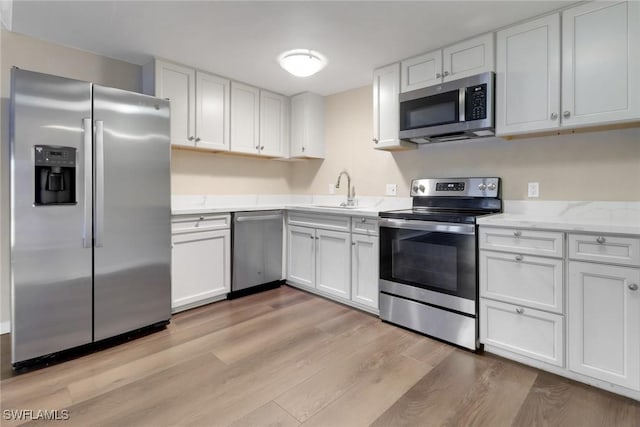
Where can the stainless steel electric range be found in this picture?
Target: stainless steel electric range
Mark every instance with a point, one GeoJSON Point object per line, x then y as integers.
{"type": "Point", "coordinates": [429, 258]}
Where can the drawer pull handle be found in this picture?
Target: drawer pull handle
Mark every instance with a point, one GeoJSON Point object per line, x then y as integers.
{"type": "Point", "coordinates": [363, 219]}
{"type": "Point", "coordinates": [633, 286]}
{"type": "Point", "coordinates": [519, 310]}
{"type": "Point", "coordinates": [518, 257]}
{"type": "Point", "coordinates": [517, 233]}
{"type": "Point", "coordinates": [311, 237]}
{"type": "Point", "coordinates": [601, 240]}
{"type": "Point", "coordinates": [201, 218]}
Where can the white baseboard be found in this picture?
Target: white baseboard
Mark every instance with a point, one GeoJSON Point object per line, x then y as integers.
{"type": "Point", "coordinates": [5, 327]}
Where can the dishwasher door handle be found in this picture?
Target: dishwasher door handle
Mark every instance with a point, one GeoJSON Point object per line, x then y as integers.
{"type": "Point", "coordinates": [258, 218]}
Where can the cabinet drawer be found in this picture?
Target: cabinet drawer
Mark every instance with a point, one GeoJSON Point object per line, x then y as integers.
{"type": "Point", "coordinates": [522, 330]}
{"type": "Point", "coordinates": [193, 223]}
{"type": "Point", "coordinates": [522, 241]}
{"type": "Point", "coordinates": [328, 222]}
{"type": "Point", "coordinates": [608, 249]}
{"type": "Point", "coordinates": [364, 225]}
{"type": "Point", "coordinates": [522, 279]}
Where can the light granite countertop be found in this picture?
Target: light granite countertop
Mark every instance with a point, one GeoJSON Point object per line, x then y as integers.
{"type": "Point", "coordinates": [586, 217]}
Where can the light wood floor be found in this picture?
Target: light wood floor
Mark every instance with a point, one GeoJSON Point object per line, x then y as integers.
{"type": "Point", "coordinates": [285, 357]}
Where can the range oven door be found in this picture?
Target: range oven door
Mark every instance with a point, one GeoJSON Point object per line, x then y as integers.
{"type": "Point", "coordinates": [430, 262]}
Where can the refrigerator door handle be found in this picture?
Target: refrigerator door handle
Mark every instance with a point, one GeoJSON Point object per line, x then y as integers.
{"type": "Point", "coordinates": [99, 184]}
{"type": "Point", "coordinates": [87, 126]}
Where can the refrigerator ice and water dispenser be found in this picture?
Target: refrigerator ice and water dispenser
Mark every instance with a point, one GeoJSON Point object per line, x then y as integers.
{"type": "Point", "coordinates": [55, 175]}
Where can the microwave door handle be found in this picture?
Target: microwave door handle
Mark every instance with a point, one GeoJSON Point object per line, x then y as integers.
{"type": "Point", "coordinates": [461, 104]}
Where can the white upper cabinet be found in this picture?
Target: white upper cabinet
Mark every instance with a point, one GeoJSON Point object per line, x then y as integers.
{"type": "Point", "coordinates": [421, 71]}
{"type": "Point", "coordinates": [464, 59]}
{"type": "Point", "coordinates": [199, 104]}
{"type": "Point", "coordinates": [528, 77]}
{"type": "Point", "coordinates": [177, 84]}
{"type": "Point", "coordinates": [386, 88]}
{"type": "Point", "coordinates": [599, 69]}
{"type": "Point", "coordinates": [601, 63]}
{"type": "Point", "coordinates": [212, 112]}
{"type": "Point", "coordinates": [307, 125]}
{"type": "Point", "coordinates": [467, 58]}
{"type": "Point", "coordinates": [274, 113]}
{"type": "Point", "coordinates": [245, 118]}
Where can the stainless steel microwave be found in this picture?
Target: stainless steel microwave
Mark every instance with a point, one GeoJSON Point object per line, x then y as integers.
{"type": "Point", "coordinates": [451, 111]}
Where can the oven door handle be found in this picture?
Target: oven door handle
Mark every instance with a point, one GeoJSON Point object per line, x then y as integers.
{"type": "Point", "coordinates": [441, 227]}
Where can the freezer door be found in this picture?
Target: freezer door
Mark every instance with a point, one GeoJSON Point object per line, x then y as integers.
{"type": "Point", "coordinates": [50, 244]}
{"type": "Point", "coordinates": [132, 209]}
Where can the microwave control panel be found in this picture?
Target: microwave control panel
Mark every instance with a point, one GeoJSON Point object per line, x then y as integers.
{"type": "Point", "coordinates": [476, 102]}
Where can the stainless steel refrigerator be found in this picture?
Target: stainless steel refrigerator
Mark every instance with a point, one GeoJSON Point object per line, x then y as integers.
{"type": "Point", "coordinates": [90, 213]}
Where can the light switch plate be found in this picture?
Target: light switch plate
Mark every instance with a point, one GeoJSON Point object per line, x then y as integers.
{"type": "Point", "coordinates": [392, 189]}
{"type": "Point", "coordinates": [533, 189]}
{"type": "Point", "coordinates": [332, 189]}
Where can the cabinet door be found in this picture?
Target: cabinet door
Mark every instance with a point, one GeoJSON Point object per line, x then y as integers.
{"type": "Point", "coordinates": [212, 112]}
{"type": "Point", "coordinates": [421, 71]}
{"type": "Point", "coordinates": [273, 124]}
{"type": "Point", "coordinates": [307, 125]}
{"type": "Point", "coordinates": [364, 270]}
{"type": "Point", "coordinates": [528, 77]}
{"type": "Point", "coordinates": [177, 84]}
{"type": "Point", "coordinates": [245, 115]}
{"type": "Point", "coordinates": [601, 63]}
{"type": "Point", "coordinates": [467, 58]}
{"type": "Point", "coordinates": [201, 266]}
{"type": "Point", "coordinates": [604, 322]}
{"type": "Point", "coordinates": [301, 261]}
{"type": "Point", "coordinates": [333, 263]}
{"type": "Point", "coordinates": [386, 114]}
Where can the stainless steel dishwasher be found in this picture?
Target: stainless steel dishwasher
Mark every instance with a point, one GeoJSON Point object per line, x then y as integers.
{"type": "Point", "coordinates": [257, 251]}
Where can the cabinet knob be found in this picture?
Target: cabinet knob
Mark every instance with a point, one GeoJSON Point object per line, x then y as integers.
{"type": "Point", "coordinates": [519, 310]}
{"type": "Point", "coordinates": [566, 114]}
{"type": "Point", "coordinates": [375, 140]}
{"type": "Point", "coordinates": [601, 239]}
{"type": "Point", "coordinates": [363, 219]}
{"type": "Point", "coordinates": [258, 147]}
{"type": "Point", "coordinates": [518, 257]}
{"type": "Point", "coordinates": [201, 218]}
{"type": "Point", "coordinates": [517, 233]}
{"type": "Point", "coordinates": [261, 147]}
{"type": "Point", "coordinates": [191, 138]}
{"type": "Point", "coordinates": [197, 139]}
{"type": "Point", "coordinates": [353, 243]}
{"type": "Point", "coordinates": [445, 74]}
{"type": "Point", "coordinates": [554, 116]}
{"type": "Point", "coordinates": [302, 149]}
{"type": "Point", "coordinates": [317, 238]}
{"type": "Point", "coordinates": [438, 75]}
{"type": "Point", "coordinates": [633, 286]}
{"type": "Point", "coordinates": [311, 237]}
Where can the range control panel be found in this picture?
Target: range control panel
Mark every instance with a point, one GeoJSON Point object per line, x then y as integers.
{"type": "Point", "coordinates": [47, 155]}
{"type": "Point", "coordinates": [455, 187]}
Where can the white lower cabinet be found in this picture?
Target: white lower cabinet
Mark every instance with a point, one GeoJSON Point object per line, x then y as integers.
{"type": "Point", "coordinates": [522, 330]}
{"type": "Point", "coordinates": [333, 263]}
{"type": "Point", "coordinates": [325, 257]}
{"type": "Point", "coordinates": [201, 260]}
{"type": "Point", "coordinates": [301, 260]}
{"type": "Point", "coordinates": [604, 322]}
{"type": "Point", "coordinates": [364, 270]}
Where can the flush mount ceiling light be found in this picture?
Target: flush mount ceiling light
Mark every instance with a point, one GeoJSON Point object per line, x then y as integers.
{"type": "Point", "coordinates": [302, 62]}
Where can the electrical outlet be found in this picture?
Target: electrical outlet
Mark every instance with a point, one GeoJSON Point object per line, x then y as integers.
{"type": "Point", "coordinates": [332, 189]}
{"type": "Point", "coordinates": [533, 189]}
{"type": "Point", "coordinates": [392, 189]}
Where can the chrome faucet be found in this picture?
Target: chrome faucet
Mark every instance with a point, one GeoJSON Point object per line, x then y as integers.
{"type": "Point", "coordinates": [351, 191]}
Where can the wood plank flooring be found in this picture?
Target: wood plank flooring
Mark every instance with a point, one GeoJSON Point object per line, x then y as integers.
{"type": "Point", "coordinates": [289, 358]}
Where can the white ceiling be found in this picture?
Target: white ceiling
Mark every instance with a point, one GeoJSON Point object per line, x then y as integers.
{"type": "Point", "coordinates": [241, 39]}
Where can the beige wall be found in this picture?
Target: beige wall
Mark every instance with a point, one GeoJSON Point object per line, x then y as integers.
{"type": "Point", "coordinates": [201, 172]}
{"type": "Point", "coordinates": [586, 166]}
